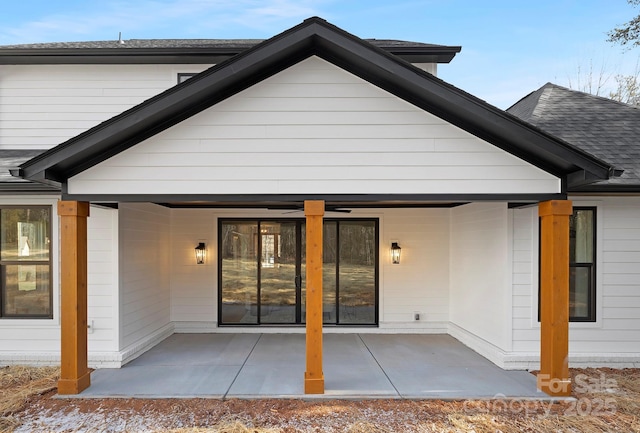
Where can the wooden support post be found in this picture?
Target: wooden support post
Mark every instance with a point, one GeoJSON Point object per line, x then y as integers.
{"type": "Point", "coordinates": [554, 376]}
{"type": "Point", "coordinates": [74, 371]}
{"type": "Point", "coordinates": [313, 376]}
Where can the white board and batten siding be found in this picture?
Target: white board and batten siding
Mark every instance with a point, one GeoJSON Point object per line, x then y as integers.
{"type": "Point", "coordinates": [144, 276]}
{"type": "Point", "coordinates": [313, 129]}
{"type": "Point", "coordinates": [42, 106]}
{"type": "Point", "coordinates": [614, 338]}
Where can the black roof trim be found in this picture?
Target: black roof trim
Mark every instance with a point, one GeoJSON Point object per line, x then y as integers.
{"type": "Point", "coordinates": [295, 205]}
{"type": "Point", "coordinates": [330, 199]}
{"type": "Point", "coordinates": [609, 188]}
{"type": "Point", "coordinates": [185, 51]}
{"type": "Point", "coordinates": [313, 37]}
{"type": "Point", "coordinates": [31, 188]}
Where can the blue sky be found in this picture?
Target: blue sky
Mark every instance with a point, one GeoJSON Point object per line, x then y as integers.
{"type": "Point", "coordinates": [509, 48]}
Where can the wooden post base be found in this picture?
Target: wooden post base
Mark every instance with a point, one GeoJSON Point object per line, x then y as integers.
{"type": "Point", "coordinates": [313, 385]}
{"type": "Point", "coordinates": [554, 387]}
{"type": "Point", "coordinates": [74, 386]}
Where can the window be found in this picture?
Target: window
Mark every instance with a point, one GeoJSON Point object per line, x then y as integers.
{"type": "Point", "coordinates": [582, 265]}
{"type": "Point", "coordinates": [25, 262]}
{"type": "Point", "coordinates": [184, 76]}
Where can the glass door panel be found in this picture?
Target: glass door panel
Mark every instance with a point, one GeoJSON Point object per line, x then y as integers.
{"type": "Point", "coordinates": [303, 272]}
{"type": "Point", "coordinates": [329, 266]}
{"type": "Point", "coordinates": [357, 272]}
{"type": "Point", "coordinates": [278, 272]}
{"type": "Point", "coordinates": [239, 272]}
{"type": "Point", "coordinates": [329, 263]}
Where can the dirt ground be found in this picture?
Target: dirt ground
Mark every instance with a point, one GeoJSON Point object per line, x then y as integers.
{"type": "Point", "coordinates": [606, 400]}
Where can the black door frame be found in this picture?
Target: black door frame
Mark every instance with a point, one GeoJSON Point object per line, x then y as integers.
{"type": "Point", "coordinates": [298, 283]}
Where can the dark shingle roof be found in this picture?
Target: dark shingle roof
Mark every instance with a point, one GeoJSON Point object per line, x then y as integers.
{"type": "Point", "coordinates": [193, 43]}
{"type": "Point", "coordinates": [607, 129]}
{"type": "Point", "coordinates": [139, 43]}
{"type": "Point", "coordinates": [186, 50]}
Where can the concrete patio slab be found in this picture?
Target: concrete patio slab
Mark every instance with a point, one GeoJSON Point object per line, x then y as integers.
{"type": "Point", "coordinates": [162, 381]}
{"type": "Point", "coordinates": [439, 366]}
{"type": "Point", "coordinates": [356, 366]}
{"type": "Point", "coordinates": [350, 369]}
{"type": "Point", "coordinates": [199, 349]}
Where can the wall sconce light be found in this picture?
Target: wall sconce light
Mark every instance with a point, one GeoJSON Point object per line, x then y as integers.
{"type": "Point", "coordinates": [200, 253]}
{"type": "Point", "coordinates": [395, 253]}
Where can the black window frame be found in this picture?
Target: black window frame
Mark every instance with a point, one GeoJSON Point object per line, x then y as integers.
{"type": "Point", "coordinates": [5, 263]}
{"type": "Point", "coordinates": [184, 76]}
{"type": "Point", "coordinates": [592, 313]}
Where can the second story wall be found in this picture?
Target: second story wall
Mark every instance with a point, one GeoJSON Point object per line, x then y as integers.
{"type": "Point", "coordinates": [42, 106]}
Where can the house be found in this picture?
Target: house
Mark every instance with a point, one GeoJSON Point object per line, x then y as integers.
{"type": "Point", "coordinates": [208, 170]}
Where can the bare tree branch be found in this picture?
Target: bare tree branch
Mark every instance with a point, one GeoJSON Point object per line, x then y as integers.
{"type": "Point", "coordinates": [629, 32]}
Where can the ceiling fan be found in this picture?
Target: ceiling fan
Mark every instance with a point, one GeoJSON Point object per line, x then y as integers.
{"type": "Point", "coordinates": [301, 209]}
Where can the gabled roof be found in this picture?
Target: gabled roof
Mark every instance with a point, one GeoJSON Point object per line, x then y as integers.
{"type": "Point", "coordinates": [186, 51]}
{"type": "Point", "coordinates": [605, 128]}
{"type": "Point", "coordinates": [316, 37]}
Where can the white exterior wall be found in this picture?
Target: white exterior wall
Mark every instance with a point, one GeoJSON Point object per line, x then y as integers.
{"type": "Point", "coordinates": [44, 105]}
{"type": "Point", "coordinates": [34, 341]}
{"type": "Point", "coordinates": [194, 288]}
{"type": "Point", "coordinates": [144, 277]}
{"type": "Point", "coordinates": [313, 128]}
{"type": "Point", "coordinates": [526, 329]}
{"type": "Point", "coordinates": [418, 284]}
{"type": "Point", "coordinates": [37, 341]}
{"type": "Point", "coordinates": [480, 263]}
{"type": "Point", "coordinates": [614, 339]}
{"type": "Point", "coordinates": [103, 293]}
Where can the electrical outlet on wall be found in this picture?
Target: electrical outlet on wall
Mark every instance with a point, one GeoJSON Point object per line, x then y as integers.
{"type": "Point", "coordinates": [416, 315]}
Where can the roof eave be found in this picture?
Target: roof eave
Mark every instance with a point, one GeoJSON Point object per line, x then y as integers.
{"type": "Point", "coordinates": [187, 55]}
{"type": "Point", "coordinates": [607, 188]}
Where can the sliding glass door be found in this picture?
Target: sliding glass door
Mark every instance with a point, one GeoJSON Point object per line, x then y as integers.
{"type": "Point", "coordinates": [262, 272]}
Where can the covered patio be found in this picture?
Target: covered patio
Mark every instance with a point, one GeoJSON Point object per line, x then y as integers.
{"type": "Point", "coordinates": [438, 171]}
{"type": "Point", "coordinates": [356, 366]}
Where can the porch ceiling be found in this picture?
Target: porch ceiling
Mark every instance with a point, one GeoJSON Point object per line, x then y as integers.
{"type": "Point", "coordinates": [332, 202]}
